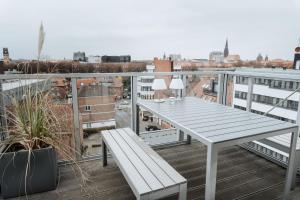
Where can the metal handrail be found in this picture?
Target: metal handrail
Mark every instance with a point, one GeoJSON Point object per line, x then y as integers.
{"type": "Point", "coordinates": [203, 71]}
{"type": "Point", "coordinates": [281, 101]}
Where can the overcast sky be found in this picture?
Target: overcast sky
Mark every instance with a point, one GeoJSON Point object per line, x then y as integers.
{"type": "Point", "coordinates": [148, 28]}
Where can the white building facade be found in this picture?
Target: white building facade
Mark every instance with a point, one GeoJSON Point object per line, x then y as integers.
{"type": "Point", "coordinates": [144, 84]}
{"type": "Point", "coordinates": [267, 93]}
{"type": "Point", "coordinates": [216, 56]}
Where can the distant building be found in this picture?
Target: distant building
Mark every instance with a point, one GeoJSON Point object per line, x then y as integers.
{"type": "Point", "coordinates": [94, 59]}
{"type": "Point", "coordinates": [96, 104]}
{"type": "Point", "coordinates": [296, 64]}
{"type": "Point", "coordinates": [233, 58]}
{"type": "Point", "coordinates": [226, 49]}
{"type": "Point", "coordinates": [216, 56]}
{"type": "Point", "coordinates": [175, 57]}
{"type": "Point", "coordinates": [6, 55]}
{"type": "Point", "coordinates": [79, 56]}
{"type": "Point", "coordinates": [144, 85]}
{"type": "Point", "coordinates": [1, 67]}
{"type": "Point", "coordinates": [266, 58]}
{"type": "Point", "coordinates": [110, 59]}
{"type": "Point", "coordinates": [259, 58]}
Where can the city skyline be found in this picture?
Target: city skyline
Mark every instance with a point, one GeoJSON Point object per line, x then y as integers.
{"type": "Point", "coordinates": [148, 29]}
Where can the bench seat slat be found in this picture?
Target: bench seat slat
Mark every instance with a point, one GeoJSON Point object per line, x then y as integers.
{"type": "Point", "coordinates": [139, 165]}
{"type": "Point", "coordinates": [129, 170]}
{"type": "Point", "coordinates": [176, 177]}
{"type": "Point", "coordinates": [156, 170]}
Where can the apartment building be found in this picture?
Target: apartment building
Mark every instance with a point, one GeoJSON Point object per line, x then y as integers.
{"type": "Point", "coordinates": [216, 57]}
{"type": "Point", "coordinates": [267, 93]}
{"type": "Point", "coordinates": [79, 56]}
{"type": "Point", "coordinates": [144, 84]}
{"type": "Point", "coordinates": [96, 103]}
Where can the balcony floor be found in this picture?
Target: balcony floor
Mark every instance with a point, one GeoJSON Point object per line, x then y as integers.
{"type": "Point", "coordinates": [241, 175]}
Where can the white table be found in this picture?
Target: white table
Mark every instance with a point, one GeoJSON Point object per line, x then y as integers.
{"type": "Point", "coordinates": [219, 126]}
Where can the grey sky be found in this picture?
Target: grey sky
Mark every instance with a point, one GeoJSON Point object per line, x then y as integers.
{"type": "Point", "coordinates": [148, 28]}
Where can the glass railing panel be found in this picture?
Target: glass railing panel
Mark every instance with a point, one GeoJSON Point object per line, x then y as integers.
{"type": "Point", "coordinates": [25, 97]}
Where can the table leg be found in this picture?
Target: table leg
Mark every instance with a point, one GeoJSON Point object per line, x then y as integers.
{"type": "Point", "coordinates": [189, 139]}
{"type": "Point", "coordinates": [297, 163]}
{"type": "Point", "coordinates": [211, 172]}
{"type": "Point", "coordinates": [291, 166]}
{"type": "Point", "coordinates": [104, 154]}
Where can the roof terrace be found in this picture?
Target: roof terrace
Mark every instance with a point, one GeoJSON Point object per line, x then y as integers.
{"type": "Point", "coordinates": [242, 172]}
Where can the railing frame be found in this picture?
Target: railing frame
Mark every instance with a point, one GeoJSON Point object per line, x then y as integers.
{"type": "Point", "coordinates": [223, 77]}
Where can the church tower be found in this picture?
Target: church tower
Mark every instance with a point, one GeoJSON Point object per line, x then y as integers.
{"type": "Point", "coordinates": [226, 50]}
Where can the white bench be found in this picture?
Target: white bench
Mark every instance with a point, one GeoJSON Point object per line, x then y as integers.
{"type": "Point", "coordinates": [148, 175]}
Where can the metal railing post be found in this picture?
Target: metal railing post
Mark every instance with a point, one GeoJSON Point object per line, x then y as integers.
{"type": "Point", "coordinates": [76, 121]}
{"type": "Point", "coordinates": [233, 90]}
{"type": "Point", "coordinates": [3, 130]}
{"type": "Point", "coordinates": [220, 88]}
{"type": "Point", "coordinates": [183, 93]}
{"type": "Point", "coordinates": [249, 94]}
{"type": "Point", "coordinates": [224, 95]}
{"type": "Point", "coordinates": [134, 108]}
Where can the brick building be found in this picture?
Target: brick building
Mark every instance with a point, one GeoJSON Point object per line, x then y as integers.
{"type": "Point", "coordinates": [96, 102]}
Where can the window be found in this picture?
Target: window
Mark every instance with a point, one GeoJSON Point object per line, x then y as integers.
{"type": "Point", "coordinates": [284, 85]}
{"type": "Point", "coordinates": [287, 104]}
{"type": "Point", "coordinates": [87, 108]}
{"type": "Point", "coordinates": [241, 80]}
{"type": "Point", "coordinates": [88, 125]}
{"type": "Point", "coordinates": [146, 88]}
{"type": "Point", "coordinates": [239, 107]}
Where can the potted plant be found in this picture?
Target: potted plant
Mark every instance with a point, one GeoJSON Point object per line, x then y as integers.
{"type": "Point", "coordinates": [28, 160]}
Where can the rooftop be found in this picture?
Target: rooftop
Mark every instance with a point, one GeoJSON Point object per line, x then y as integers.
{"type": "Point", "coordinates": [19, 83]}
{"type": "Point", "coordinates": [241, 175]}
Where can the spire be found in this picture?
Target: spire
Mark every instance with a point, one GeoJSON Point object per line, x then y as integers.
{"type": "Point", "coordinates": [164, 55]}
{"type": "Point", "coordinates": [226, 50]}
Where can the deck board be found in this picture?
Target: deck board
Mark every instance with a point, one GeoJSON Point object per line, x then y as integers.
{"type": "Point", "coordinates": [241, 175]}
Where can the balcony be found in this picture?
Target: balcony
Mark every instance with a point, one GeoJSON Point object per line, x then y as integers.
{"type": "Point", "coordinates": [242, 173]}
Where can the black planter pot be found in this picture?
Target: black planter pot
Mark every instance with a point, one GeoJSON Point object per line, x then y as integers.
{"type": "Point", "coordinates": [41, 177]}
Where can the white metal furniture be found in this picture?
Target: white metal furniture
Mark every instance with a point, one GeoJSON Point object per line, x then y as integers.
{"type": "Point", "coordinates": [148, 175]}
{"type": "Point", "coordinates": [218, 126]}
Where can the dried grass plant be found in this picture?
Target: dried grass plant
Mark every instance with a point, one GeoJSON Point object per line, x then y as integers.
{"type": "Point", "coordinates": [34, 124]}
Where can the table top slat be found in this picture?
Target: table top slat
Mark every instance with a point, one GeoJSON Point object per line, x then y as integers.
{"type": "Point", "coordinates": [250, 132]}
{"type": "Point", "coordinates": [224, 129]}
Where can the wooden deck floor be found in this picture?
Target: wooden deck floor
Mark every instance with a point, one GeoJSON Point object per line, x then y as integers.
{"type": "Point", "coordinates": [241, 175]}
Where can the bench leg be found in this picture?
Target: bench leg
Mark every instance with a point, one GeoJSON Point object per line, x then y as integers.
{"type": "Point", "coordinates": [182, 191]}
{"type": "Point", "coordinates": [104, 152]}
